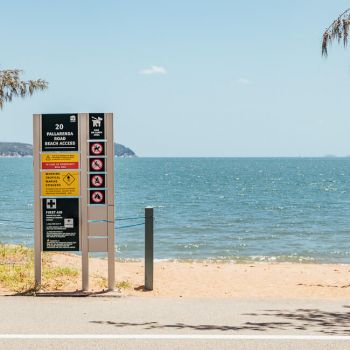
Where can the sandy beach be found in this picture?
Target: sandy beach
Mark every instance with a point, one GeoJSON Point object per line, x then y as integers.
{"type": "Point", "coordinates": [215, 280]}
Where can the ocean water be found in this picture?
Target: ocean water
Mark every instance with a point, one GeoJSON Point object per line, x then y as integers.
{"type": "Point", "coordinates": [241, 209]}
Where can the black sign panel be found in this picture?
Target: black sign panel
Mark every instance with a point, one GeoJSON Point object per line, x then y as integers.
{"type": "Point", "coordinates": [97, 164]}
{"type": "Point", "coordinates": [60, 224]}
{"type": "Point", "coordinates": [96, 126]}
{"type": "Point", "coordinates": [97, 196]}
{"type": "Point", "coordinates": [97, 148]}
{"type": "Point", "coordinates": [59, 132]}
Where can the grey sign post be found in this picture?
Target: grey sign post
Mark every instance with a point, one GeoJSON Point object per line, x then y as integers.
{"type": "Point", "coordinates": [74, 187]}
{"type": "Point", "coordinates": [149, 248]}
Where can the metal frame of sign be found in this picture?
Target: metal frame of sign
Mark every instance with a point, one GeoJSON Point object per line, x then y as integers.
{"type": "Point", "coordinates": [96, 221]}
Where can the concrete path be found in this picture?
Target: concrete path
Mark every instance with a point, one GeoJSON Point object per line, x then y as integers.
{"type": "Point", "coordinates": [165, 323]}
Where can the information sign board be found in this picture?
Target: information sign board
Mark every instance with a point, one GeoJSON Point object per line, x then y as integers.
{"type": "Point", "coordinates": [74, 188]}
{"type": "Point", "coordinates": [60, 224]}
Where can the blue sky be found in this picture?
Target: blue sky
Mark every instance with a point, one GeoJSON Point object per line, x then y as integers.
{"type": "Point", "coordinates": [185, 78]}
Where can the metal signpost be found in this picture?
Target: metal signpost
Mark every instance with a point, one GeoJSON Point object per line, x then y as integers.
{"type": "Point", "coordinates": [74, 187]}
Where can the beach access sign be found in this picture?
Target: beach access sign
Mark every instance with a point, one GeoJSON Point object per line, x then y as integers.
{"type": "Point", "coordinates": [59, 132]}
{"type": "Point", "coordinates": [74, 186]}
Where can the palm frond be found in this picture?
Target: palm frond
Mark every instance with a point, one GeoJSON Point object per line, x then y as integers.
{"type": "Point", "coordinates": [338, 30]}
{"type": "Point", "coordinates": [12, 86]}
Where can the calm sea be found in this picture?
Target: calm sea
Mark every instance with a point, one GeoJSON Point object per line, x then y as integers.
{"type": "Point", "coordinates": [263, 209]}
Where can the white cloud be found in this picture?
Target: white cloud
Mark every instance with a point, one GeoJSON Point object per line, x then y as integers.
{"type": "Point", "coordinates": [153, 70]}
{"type": "Point", "coordinates": [243, 81]}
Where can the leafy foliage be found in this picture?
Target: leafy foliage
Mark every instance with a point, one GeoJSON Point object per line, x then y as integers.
{"type": "Point", "coordinates": [338, 30]}
{"type": "Point", "coordinates": [12, 86]}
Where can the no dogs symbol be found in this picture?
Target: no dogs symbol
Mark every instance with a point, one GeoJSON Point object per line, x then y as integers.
{"type": "Point", "coordinates": [97, 197]}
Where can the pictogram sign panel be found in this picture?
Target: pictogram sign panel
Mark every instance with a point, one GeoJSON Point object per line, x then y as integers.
{"type": "Point", "coordinates": [97, 148]}
{"type": "Point", "coordinates": [97, 180]}
{"type": "Point", "coordinates": [97, 196]}
{"type": "Point", "coordinates": [97, 164]}
{"type": "Point", "coordinates": [96, 126]}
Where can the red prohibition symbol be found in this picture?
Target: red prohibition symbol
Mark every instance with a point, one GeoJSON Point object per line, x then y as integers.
{"type": "Point", "coordinates": [96, 164]}
{"type": "Point", "coordinates": [97, 180]}
{"type": "Point", "coordinates": [97, 196]}
{"type": "Point", "coordinates": [96, 148]}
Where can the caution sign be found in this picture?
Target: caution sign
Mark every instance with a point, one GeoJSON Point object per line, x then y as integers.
{"type": "Point", "coordinates": [59, 132]}
{"type": "Point", "coordinates": [97, 164]}
{"type": "Point", "coordinates": [98, 197]}
{"type": "Point", "coordinates": [60, 161]}
{"type": "Point", "coordinates": [97, 149]}
{"type": "Point", "coordinates": [96, 126]}
{"type": "Point", "coordinates": [97, 180]}
{"type": "Point", "coordinates": [60, 183]}
{"type": "Point", "coordinates": [60, 224]}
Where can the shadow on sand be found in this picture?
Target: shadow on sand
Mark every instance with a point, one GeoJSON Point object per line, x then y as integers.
{"type": "Point", "coordinates": [77, 293]}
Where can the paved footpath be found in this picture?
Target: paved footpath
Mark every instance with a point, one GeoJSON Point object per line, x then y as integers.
{"type": "Point", "coordinates": [169, 323]}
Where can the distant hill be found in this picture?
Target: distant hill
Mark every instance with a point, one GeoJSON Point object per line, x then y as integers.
{"type": "Point", "coordinates": [15, 149]}
{"type": "Point", "coordinates": [122, 151]}
{"type": "Point", "coordinates": [18, 149]}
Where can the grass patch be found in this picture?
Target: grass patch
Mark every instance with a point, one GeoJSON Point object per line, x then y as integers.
{"type": "Point", "coordinates": [123, 285]}
{"type": "Point", "coordinates": [101, 281]}
{"type": "Point", "coordinates": [17, 270]}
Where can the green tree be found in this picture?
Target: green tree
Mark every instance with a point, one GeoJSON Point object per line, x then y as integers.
{"type": "Point", "coordinates": [12, 86]}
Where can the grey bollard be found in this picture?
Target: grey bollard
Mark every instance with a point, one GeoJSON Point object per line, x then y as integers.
{"type": "Point", "coordinates": [148, 248]}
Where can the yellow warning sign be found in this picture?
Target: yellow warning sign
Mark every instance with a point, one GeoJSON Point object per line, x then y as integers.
{"type": "Point", "coordinates": [60, 183]}
{"type": "Point", "coordinates": [60, 161]}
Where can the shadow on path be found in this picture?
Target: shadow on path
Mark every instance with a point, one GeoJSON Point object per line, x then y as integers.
{"type": "Point", "coordinates": [327, 322]}
{"type": "Point", "coordinates": [308, 320]}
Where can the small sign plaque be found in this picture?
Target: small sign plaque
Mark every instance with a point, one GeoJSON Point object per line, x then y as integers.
{"type": "Point", "coordinates": [97, 148]}
{"type": "Point", "coordinates": [97, 180]}
{"type": "Point", "coordinates": [60, 183]}
{"type": "Point", "coordinates": [96, 126]}
{"type": "Point", "coordinates": [97, 164]}
{"type": "Point", "coordinates": [97, 196]}
{"type": "Point", "coordinates": [60, 161]}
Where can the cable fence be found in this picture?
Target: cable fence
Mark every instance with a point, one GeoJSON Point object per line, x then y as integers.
{"type": "Point", "coordinates": [14, 222]}
{"type": "Point", "coordinates": [147, 222]}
